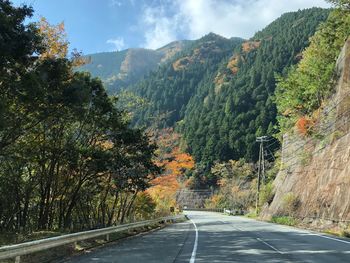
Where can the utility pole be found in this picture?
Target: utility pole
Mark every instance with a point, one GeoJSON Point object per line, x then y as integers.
{"type": "Point", "coordinates": [261, 169]}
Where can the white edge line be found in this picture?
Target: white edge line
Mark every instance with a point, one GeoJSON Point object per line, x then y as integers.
{"type": "Point", "coordinates": [331, 238]}
{"type": "Point", "coordinates": [270, 246]}
{"type": "Point", "coordinates": [194, 251]}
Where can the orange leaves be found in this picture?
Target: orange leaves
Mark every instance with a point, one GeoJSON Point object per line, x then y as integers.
{"type": "Point", "coordinates": [304, 125]}
{"type": "Point", "coordinates": [250, 45]}
{"type": "Point", "coordinates": [180, 162]}
{"type": "Point", "coordinates": [54, 38]}
{"type": "Point", "coordinates": [174, 162]}
{"type": "Point", "coordinates": [232, 64]}
{"type": "Point", "coordinates": [181, 63]}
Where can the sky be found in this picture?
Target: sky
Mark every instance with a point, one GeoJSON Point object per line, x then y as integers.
{"type": "Point", "coordinates": [109, 25]}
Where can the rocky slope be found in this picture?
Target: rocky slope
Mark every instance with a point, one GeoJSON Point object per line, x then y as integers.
{"type": "Point", "coordinates": [313, 183]}
{"type": "Point", "coordinates": [121, 68]}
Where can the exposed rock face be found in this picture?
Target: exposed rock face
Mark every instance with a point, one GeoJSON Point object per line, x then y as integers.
{"type": "Point", "coordinates": [122, 68]}
{"type": "Point", "coordinates": [316, 171]}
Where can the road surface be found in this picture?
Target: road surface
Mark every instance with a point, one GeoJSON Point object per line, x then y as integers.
{"type": "Point", "coordinates": [212, 237]}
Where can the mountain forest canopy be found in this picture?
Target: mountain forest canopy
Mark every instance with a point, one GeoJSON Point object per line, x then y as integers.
{"type": "Point", "coordinates": [219, 93]}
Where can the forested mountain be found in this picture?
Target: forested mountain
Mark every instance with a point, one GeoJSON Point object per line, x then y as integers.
{"type": "Point", "coordinates": [169, 89]}
{"type": "Point", "coordinates": [227, 113]}
{"type": "Point", "coordinates": [219, 92]}
{"type": "Point", "coordinates": [121, 68]}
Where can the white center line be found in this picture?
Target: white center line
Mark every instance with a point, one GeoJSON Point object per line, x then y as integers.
{"type": "Point", "coordinates": [194, 251]}
{"type": "Point", "coordinates": [270, 246]}
{"type": "Point", "coordinates": [232, 225]}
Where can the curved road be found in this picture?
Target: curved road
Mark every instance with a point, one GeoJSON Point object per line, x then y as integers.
{"type": "Point", "coordinates": [212, 237]}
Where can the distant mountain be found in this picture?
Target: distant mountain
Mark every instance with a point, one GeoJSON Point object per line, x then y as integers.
{"type": "Point", "coordinates": [219, 92]}
{"type": "Point", "coordinates": [170, 88]}
{"type": "Point", "coordinates": [121, 68]}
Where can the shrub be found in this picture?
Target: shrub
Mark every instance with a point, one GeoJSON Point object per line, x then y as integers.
{"type": "Point", "coordinates": [304, 125]}
{"type": "Point", "coordinates": [267, 194]}
{"type": "Point", "coordinates": [284, 220]}
{"type": "Point", "coordinates": [290, 203]}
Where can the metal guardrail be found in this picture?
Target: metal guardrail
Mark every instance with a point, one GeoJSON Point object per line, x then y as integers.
{"type": "Point", "coordinates": [218, 210]}
{"type": "Point", "coordinates": [234, 212]}
{"type": "Point", "coordinates": [18, 250]}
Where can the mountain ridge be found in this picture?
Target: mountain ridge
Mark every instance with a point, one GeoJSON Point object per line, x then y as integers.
{"type": "Point", "coordinates": [119, 69]}
{"type": "Point", "coordinates": [218, 92]}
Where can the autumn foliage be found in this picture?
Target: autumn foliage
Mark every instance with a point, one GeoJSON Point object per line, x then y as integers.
{"type": "Point", "coordinates": [232, 64]}
{"type": "Point", "coordinates": [54, 38]}
{"type": "Point", "coordinates": [250, 45]}
{"type": "Point", "coordinates": [56, 44]}
{"type": "Point", "coordinates": [174, 163]}
{"type": "Point", "coordinates": [304, 125]}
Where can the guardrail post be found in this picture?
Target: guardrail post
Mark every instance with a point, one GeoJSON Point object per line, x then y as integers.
{"type": "Point", "coordinates": [14, 252]}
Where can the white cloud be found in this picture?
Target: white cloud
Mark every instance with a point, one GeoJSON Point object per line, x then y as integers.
{"type": "Point", "coordinates": [118, 43]}
{"type": "Point", "coordinates": [161, 29]}
{"type": "Point", "coordinates": [115, 3]}
{"type": "Point", "coordinates": [229, 18]}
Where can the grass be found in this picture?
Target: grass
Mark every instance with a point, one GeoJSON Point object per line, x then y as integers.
{"type": "Point", "coordinates": [284, 220]}
{"type": "Point", "coordinates": [251, 215]}
{"type": "Point", "coordinates": [339, 233]}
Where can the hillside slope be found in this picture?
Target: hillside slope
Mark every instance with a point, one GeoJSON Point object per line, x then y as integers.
{"type": "Point", "coordinates": [219, 93]}
{"type": "Point", "coordinates": [169, 89]}
{"type": "Point", "coordinates": [228, 112]}
{"type": "Point", "coordinates": [122, 68]}
{"type": "Point", "coordinates": [315, 171]}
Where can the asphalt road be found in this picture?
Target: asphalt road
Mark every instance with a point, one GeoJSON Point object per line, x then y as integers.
{"type": "Point", "coordinates": [212, 237]}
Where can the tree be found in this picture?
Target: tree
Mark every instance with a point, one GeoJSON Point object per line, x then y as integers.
{"type": "Point", "coordinates": [18, 44]}
{"type": "Point", "coordinates": [175, 165]}
{"type": "Point", "coordinates": [310, 83]}
{"type": "Point", "coordinates": [68, 158]}
{"type": "Point", "coordinates": [54, 39]}
{"type": "Point", "coordinates": [345, 4]}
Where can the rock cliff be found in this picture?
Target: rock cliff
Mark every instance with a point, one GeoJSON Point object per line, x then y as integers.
{"type": "Point", "coordinates": [313, 183]}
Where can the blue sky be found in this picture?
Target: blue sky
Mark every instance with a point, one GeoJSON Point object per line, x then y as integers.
{"type": "Point", "coordinates": [106, 25]}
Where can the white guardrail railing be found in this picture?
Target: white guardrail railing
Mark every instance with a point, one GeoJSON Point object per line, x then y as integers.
{"type": "Point", "coordinates": [18, 250]}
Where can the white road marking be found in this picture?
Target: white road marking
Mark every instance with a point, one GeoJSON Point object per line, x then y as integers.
{"type": "Point", "coordinates": [194, 251]}
{"type": "Point", "coordinates": [270, 246]}
{"type": "Point", "coordinates": [331, 238]}
{"type": "Point", "coordinates": [232, 225]}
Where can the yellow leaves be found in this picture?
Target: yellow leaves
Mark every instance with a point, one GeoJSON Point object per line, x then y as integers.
{"type": "Point", "coordinates": [250, 45]}
{"type": "Point", "coordinates": [175, 163]}
{"type": "Point", "coordinates": [54, 38]}
{"type": "Point", "coordinates": [78, 59]}
{"type": "Point", "coordinates": [106, 145]}
{"type": "Point", "coordinates": [232, 64]}
{"type": "Point", "coordinates": [181, 63]}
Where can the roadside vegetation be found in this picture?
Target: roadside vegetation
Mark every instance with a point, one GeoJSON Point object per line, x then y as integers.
{"type": "Point", "coordinates": [284, 220]}
{"type": "Point", "coordinates": [307, 86]}
{"type": "Point", "coordinates": [68, 159]}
